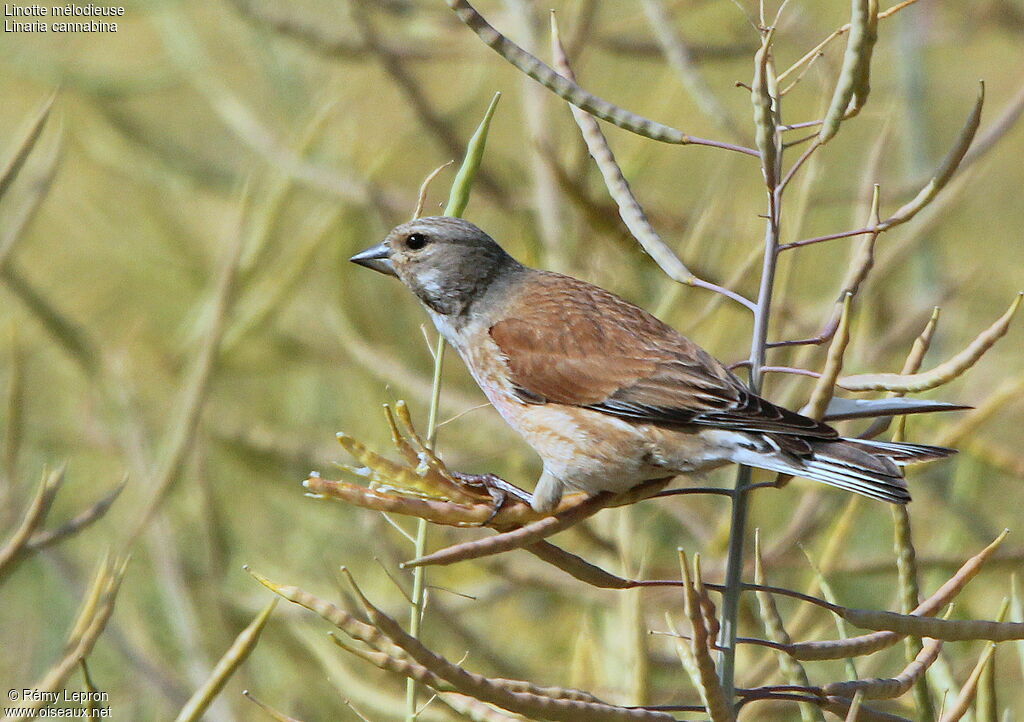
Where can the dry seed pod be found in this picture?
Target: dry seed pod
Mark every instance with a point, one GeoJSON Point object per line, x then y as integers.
{"type": "Point", "coordinates": [578, 568]}
{"type": "Point", "coordinates": [337, 616]}
{"type": "Point", "coordinates": [630, 210]}
{"type": "Point", "coordinates": [947, 629]}
{"type": "Point", "coordinates": [945, 171]}
{"type": "Point", "coordinates": [91, 621]}
{"type": "Point", "coordinates": [398, 665]}
{"type": "Point", "coordinates": [825, 385]}
{"type": "Point", "coordinates": [888, 688]}
{"type": "Point", "coordinates": [686, 658]}
{"type": "Point", "coordinates": [961, 706]}
{"type": "Point", "coordinates": [775, 627]}
{"type": "Point", "coordinates": [868, 643]}
{"type": "Point", "coordinates": [239, 651]}
{"type": "Point", "coordinates": [570, 91]}
{"type": "Point", "coordinates": [941, 374]}
{"type": "Point", "coordinates": [437, 511]}
{"type": "Point", "coordinates": [398, 438]}
{"type": "Point", "coordinates": [494, 692]}
{"type": "Point", "coordinates": [35, 517]}
{"type": "Point", "coordinates": [516, 538]}
{"type": "Point", "coordinates": [711, 691]}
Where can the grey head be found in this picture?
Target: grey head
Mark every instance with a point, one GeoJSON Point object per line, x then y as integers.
{"type": "Point", "coordinates": [449, 263]}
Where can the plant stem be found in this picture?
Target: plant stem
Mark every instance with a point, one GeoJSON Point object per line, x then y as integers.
{"type": "Point", "coordinates": [435, 394]}
{"type": "Point", "coordinates": [733, 583]}
{"type": "Point", "coordinates": [738, 523]}
{"type": "Point", "coordinates": [419, 574]}
{"type": "Point", "coordinates": [415, 615]}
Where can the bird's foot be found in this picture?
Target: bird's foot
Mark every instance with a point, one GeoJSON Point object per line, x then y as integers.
{"type": "Point", "coordinates": [497, 488]}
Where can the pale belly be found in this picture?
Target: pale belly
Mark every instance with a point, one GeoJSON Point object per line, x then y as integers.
{"type": "Point", "coordinates": [590, 450]}
{"type": "Point", "coordinates": [593, 451]}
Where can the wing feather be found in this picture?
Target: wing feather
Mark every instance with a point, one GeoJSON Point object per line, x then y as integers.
{"type": "Point", "coordinates": [568, 342]}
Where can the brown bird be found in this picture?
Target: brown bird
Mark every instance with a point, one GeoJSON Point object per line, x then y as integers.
{"type": "Point", "coordinates": [605, 393]}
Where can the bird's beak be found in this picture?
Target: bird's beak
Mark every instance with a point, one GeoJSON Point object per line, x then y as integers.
{"type": "Point", "coordinates": [376, 257]}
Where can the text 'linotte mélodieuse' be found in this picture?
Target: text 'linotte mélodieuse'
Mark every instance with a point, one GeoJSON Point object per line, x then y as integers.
{"type": "Point", "coordinates": [88, 14]}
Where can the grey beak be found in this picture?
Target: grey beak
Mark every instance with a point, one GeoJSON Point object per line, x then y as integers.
{"type": "Point", "coordinates": [376, 257]}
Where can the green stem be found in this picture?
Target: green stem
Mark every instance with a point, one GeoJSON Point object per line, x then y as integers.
{"type": "Point", "coordinates": [457, 200]}
{"type": "Point", "coordinates": [435, 394]}
{"type": "Point", "coordinates": [412, 687]}
{"type": "Point", "coordinates": [419, 574]}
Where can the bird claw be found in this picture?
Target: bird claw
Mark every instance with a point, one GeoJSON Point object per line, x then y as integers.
{"type": "Point", "coordinates": [499, 490]}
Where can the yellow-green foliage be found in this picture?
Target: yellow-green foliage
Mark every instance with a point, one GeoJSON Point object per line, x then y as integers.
{"type": "Point", "coordinates": [176, 306]}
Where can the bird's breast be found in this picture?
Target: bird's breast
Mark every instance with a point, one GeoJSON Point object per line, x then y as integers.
{"type": "Point", "coordinates": [579, 446]}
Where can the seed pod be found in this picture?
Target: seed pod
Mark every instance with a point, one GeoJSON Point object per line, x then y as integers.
{"type": "Point", "coordinates": [944, 372]}
{"type": "Point", "coordinates": [562, 87]}
{"type": "Point", "coordinates": [854, 79]}
{"type": "Point", "coordinates": [764, 97]}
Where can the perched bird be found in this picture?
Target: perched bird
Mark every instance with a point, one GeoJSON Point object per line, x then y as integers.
{"type": "Point", "coordinates": [605, 393]}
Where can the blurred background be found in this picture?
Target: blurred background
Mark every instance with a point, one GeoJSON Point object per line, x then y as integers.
{"type": "Point", "coordinates": [177, 307]}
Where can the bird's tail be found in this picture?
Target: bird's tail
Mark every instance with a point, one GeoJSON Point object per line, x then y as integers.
{"type": "Point", "coordinates": [870, 468]}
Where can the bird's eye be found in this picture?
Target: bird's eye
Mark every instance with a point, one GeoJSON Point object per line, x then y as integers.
{"type": "Point", "coordinates": [416, 241]}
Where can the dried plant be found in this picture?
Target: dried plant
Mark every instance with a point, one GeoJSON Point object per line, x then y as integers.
{"type": "Point", "coordinates": [612, 620]}
{"type": "Point", "coordinates": [424, 487]}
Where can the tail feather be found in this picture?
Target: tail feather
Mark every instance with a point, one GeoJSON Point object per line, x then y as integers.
{"type": "Point", "coordinates": [869, 468]}
{"type": "Point", "coordinates": [902, 453]}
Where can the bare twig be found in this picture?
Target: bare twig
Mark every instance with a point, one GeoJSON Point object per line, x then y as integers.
{"type": "Point", "coordinates": [681, 59]}
{"type": "Point", "coordinates": [927, 194]}
{"type": "Point", "coordinates": [816, 52]}
{"type": "Point", "coordinates": [630, 210]}
{"type": "Point", "coordinates": [569, 91]}
{"type": "Point", "coordinates": [524, 536]}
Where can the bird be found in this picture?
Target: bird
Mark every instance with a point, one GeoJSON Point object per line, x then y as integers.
{"type": "Point", "coordinates": [606, 394]}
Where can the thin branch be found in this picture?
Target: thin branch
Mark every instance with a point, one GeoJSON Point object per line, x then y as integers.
{"type": "Point", "coordinates": [765, 102]}
{"type": "Point", "coordinates": [12, 552]}
{"type": "Point", "coordinates": [43, 539]}
{"type": "Point", "coordinates": [571, 92]}
{"type": "Point", "coordinates": [944, 372]}
{"type": "Point", "coordinates": [681, 59]}
{"type": "Point", "coordinates": [791, 173]}
{"type": "Point", "coordinates": [630, 210]}
{"type": "Point", "coordinates": [24, 147]}
{"type": "Point", "coordinates": [790, 370]}
{"type": "Point", "coordinates": [927, 194]}
{"type": "Point", "coordinates": [516, 538]}
{"type": "Point", "coordinates": [816, 51]}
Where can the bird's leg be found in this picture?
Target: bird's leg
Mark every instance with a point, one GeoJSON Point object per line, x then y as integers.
{"type": "Point", "coordinates": [497, 488]}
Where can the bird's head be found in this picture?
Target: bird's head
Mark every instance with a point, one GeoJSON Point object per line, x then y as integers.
{"type": "Point", "coordinates": [447, 262]}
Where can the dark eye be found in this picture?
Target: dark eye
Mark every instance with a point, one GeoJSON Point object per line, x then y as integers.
{"type": "Point", "coordinates": [416, 241]}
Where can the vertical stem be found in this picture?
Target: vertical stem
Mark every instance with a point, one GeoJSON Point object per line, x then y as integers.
{"type": "Point", "coordinates": [412, 687]}
{"type": "Point", "coordinates": [419, 574]}
{"type": "Point", "coordinates": [737, 531]}
{"type": "Point", "coordinates": [733, 580]}
{"type": "Point", "coordinates": [435, 396]}
{"type": "Point", "coordinates": [759, 339]}
{"type": "Point", "coordinates": [764, 96]}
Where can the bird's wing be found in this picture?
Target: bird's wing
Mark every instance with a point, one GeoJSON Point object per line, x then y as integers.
{"type": "Point", "coordinates": [568, 342]}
